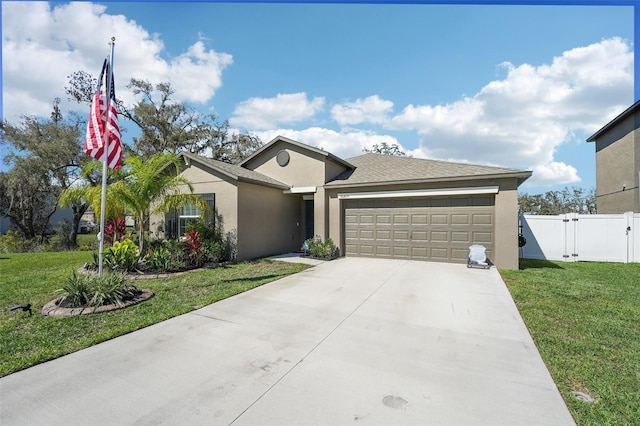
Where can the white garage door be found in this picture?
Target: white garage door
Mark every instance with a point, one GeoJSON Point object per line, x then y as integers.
{"type": "Point", "coordinates": [434, 228]}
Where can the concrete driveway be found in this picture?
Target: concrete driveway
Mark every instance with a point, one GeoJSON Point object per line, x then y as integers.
{"type": "Point", "coordinates": [352, 341]}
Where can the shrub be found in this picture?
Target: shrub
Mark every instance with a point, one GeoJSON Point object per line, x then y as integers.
{"type": "Point", "coordinates": [166, 256]}
{"type": "Point", "coordinates": [123, 255]}
{"type": "Point", "coordinates": [215, 251]}
{"type": "Point", "coordinates": [192, 250]}
{"type": "Point", "coordinates": [206, 232]}
{"type": "Point", "coordinates": [159, 259]}
{"type": "Point", "coordinates": [77, 291]}
{"type": "Point", "coordinates": [178, 254]}
{"type": "Point", "coordinates": [112, 288]}
{"type": "Point", "coordinates": [61, 238]}
{"type": "Point", "coordinates": [318, 248]}
{"type": "Point", "coordinates": [91, 290]}
{"type": "Point", "coordinates": [14, 242]}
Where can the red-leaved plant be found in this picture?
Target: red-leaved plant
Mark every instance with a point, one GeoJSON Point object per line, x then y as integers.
{"type": "Point", "coordinates": [114, 230]}
{"type": "Point", "coordinates": [193, 244]}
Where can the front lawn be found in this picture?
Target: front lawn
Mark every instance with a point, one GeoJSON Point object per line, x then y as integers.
{"type": "Point", "coordinates": [585, 320]}
{"type": "Point", "coordinates": [34, 278]}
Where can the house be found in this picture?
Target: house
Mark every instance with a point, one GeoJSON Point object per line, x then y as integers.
{"type": "Point", "coordinates": [61, 215]}
{"type": "Point", "coordinates": [618, 163]}
{"type": "Point", "coordinates": [370, 205]}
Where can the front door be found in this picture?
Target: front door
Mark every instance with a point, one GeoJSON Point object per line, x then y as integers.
{"type": "Point", "coordinates": [308, 219]}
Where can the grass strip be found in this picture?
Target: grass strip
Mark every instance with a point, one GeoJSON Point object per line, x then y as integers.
{"type": "Point", "coordinates": [34, 278]}
{"type": "Point", "coordinates": [585, 320]}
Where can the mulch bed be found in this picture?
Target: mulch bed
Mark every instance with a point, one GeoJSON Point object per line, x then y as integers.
{"type": "Point", "coordinates": [52, 308]}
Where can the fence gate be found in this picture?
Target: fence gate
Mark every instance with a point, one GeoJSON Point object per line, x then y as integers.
{"type": "Point", "coordinates": [572, 237]}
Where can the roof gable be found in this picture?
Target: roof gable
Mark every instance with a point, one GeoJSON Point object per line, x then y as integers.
{"type": "Point", "coordinates": [380, 169]}
{"type": "Point", "coordinates": [304, 147]}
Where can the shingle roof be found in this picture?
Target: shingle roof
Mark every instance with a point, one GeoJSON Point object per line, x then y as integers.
{"type": "Point", "coordinates": [236, 172]}
{"type": "Point", "coordinates": [381, 169]}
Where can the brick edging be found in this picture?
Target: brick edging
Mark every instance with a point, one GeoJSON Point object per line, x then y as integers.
{"type": "Point", "coordinates": [53, 310]}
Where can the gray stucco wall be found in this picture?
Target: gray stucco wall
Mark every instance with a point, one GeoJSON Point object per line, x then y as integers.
{"type": "Point", "coordinates": [269, 221]}
{"type": "Point", "coordinates": [618, 168]}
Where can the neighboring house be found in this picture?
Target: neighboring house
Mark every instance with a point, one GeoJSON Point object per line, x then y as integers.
{"type": "Point", "coordinates": [618, 163]}
{"type": "Point", "coordinates": [61, 214]}
{"type": "Point", "coordinates": [5, 224]}
{"type": "Point", "coordinates": [370, 205]}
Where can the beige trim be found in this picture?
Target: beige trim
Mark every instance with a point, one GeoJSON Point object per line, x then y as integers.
{"type": "Point", "coordinates": [420, 192]}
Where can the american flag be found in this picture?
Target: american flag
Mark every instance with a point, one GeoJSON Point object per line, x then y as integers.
{"type": "Point", "coordinates": [104, 127]}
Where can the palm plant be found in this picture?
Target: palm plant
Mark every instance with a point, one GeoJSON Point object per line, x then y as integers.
{"type": "Point", "coordinates": [90, 192]}
{"type": "Point", "coordinates": [153, 185]}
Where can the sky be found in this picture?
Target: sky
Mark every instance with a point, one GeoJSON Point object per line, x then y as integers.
{"type": "Point", "coordinates": [512, 86]}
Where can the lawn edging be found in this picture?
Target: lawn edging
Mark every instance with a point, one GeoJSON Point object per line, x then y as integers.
{"type": "Point", "coordinates": [52, 309]}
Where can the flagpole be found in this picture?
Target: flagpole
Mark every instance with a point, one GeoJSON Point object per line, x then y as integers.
{"type": "Point", "coordinates": [105, 169]}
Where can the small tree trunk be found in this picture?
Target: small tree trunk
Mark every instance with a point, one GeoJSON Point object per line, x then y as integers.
{"type": "Point", "coordinates": [78, 211]}
{"type": "Point", "coordinates": [141, 223]}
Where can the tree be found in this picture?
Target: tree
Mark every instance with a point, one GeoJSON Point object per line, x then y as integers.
{"type": "Point", "coordinates": [153, 186]}
{"type": "Point", "coordinates": [385, 148]}
{"type": "Point", "coordinates": [236, 149]}
{"type": "Point", "coordinates": [168, 126]}
{"type": "Point", "coordinates": [568, 200]}
{"type": "Point", "coordinates": [46, 157]}
{"type": "Point", "coordinates": [28, 198]}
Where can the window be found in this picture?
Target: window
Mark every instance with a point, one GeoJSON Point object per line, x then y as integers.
{"type": "Point", "coordinates": [177, 221]}
{"type": "Point", "coordinates": [186, 215]}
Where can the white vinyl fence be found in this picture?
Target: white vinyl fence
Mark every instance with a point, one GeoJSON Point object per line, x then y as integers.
{"type": "Point", "coordinates": [577, 237]}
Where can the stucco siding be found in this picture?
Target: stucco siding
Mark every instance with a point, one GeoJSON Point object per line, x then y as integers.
{"type": "Point", "coordinates": [305, 168]}
{"type": "Point", "coordinates": [506, 230]}
{"type": "Point", "coordinates": [335, 212]}
{"type": "Point", "coordinates": [320, 210]}
{"type": "Point", "coordinates": [617, 167]}
{"type": "Point", "coordinates": [269, 221]}
{"type": "Point", "coordinates": [332, 170]}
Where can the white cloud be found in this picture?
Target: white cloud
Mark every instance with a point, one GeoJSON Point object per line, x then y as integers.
{"type": "Point", "coordinates": [553, 173]}
{"type": "Point", "coordinates": [198, 65]}
{"type": "Point", "coordinates": [344, 144]}
{"type": "Point", "coordinates": [265, 113]}
{"type": "Point", "coordinates": [43, 45]}
{"type": "Point", "coordinates": [521, 121]}
{"type": "Point", "coordinates": [368, 110]}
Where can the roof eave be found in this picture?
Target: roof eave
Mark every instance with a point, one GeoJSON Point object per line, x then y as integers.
{"type": "Point", "coordinates": [521, 176]}
{"type": "Point", "coordinates": [263, 183]}
{"type": "Point", "coordinates": [199, 160]}
{"type": "Point", "coordinates": [624, 114]}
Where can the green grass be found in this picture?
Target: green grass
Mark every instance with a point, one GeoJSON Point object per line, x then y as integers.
{"type": "Point", "coordinates": [585, 320]}
{"type": "Point", "coordinates": [34, 278]}
{"type": "Point", "coordinates": [87, 240]}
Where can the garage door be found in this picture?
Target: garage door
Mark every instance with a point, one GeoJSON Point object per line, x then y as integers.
{"type": "Point", "coordinates": [433, 229]}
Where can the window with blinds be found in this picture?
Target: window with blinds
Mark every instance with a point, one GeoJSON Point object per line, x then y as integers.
{"type": "Point", "coordinates": [177, 221]}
